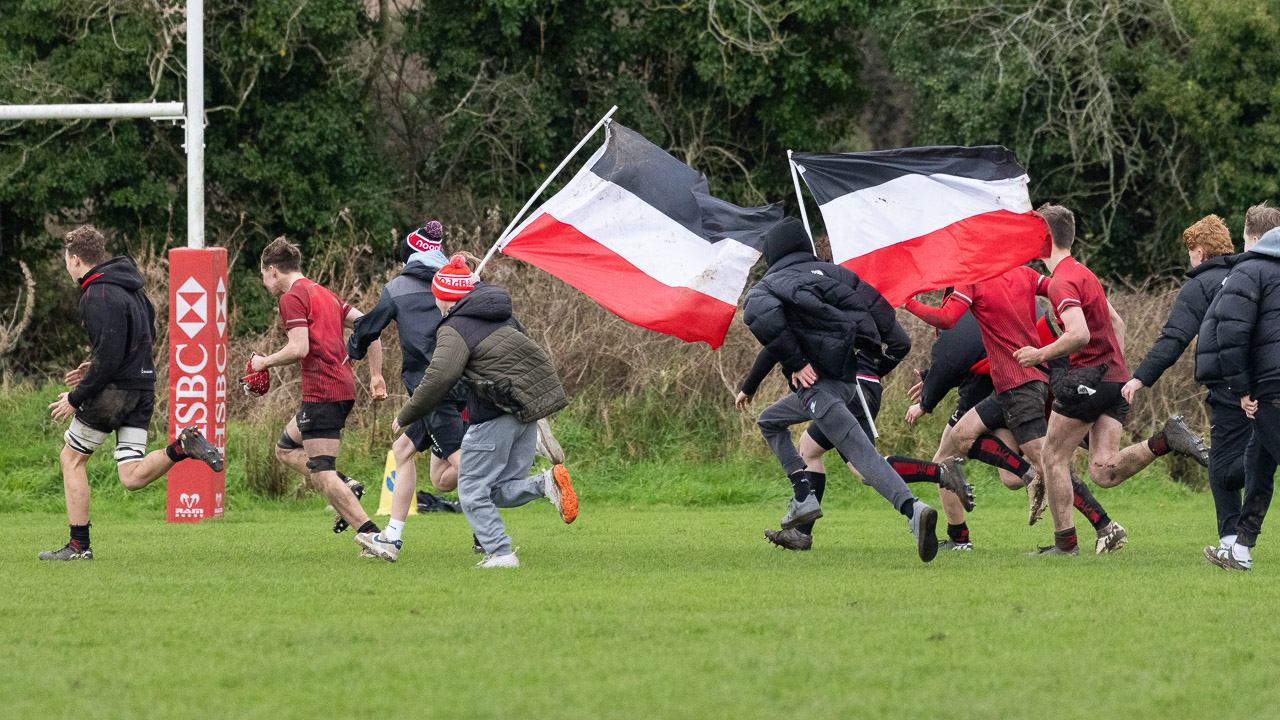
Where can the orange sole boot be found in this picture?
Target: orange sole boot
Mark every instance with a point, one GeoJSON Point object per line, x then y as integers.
{"type": "Point", "coordinates": [568, 498]}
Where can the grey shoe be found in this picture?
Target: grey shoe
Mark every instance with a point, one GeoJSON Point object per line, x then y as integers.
{"type": "Point", "coordinates": [791, 539]}
{"type": "Point", "coordinates": [194, 445]}
{"type": "Point", "coordinates": [1111, 538]}
{"type": "Point", "coordinates": [1223, 558]}
{"type": "Point", "coordinates": [1053, 550]}
{"type": "Point", "coordinates": [953, 545]}
{"type": "Point", "coordinates": [924, 525]}
{"type": "Point", "coordinates": [340, 523]}
{"type": "Point", "coordinates": [1184, 442]}
{"type": "Point", "coordinates": [1037, 497]}
{"type": "Point", "coordinates": [799, 513]}
{"type": "Point", "coordinates": [951, 477]}
{"type": "Point", "coordinates": [68, 552]}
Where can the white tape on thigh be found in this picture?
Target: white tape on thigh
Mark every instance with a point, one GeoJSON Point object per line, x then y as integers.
{"type": "Point", "coordinates": [82, 438]}
{"type": "Point", "coordinates": [131, 444]}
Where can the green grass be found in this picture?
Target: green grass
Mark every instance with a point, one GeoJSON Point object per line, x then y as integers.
{"type": "Point", "coordinates": [649, 611]}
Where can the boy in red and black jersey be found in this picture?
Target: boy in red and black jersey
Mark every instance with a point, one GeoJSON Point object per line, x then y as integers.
{"type": "Point", "coordinates": [314, 319]}
{"type": "Point", "coordinates": [1087, 396]}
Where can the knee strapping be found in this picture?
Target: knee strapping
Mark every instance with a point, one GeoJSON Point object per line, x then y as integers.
{"type": "Point", "coordinates": [131, 445]}
{"type": "Point", "coordinates": [285, 442]}
{"type": "Point", "coordinates": [322, 463]}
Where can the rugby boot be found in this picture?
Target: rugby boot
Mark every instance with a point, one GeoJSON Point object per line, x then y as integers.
{"type": "Point", "coordinates": [1037, 497]}
{"type": "Point", "coordinates": [924, 525]}
{"type": "Point", "coordinates": [1111, 538]}
{"type": "Point", "coordinates": [790, 539]}
{"type": "Point", "coordinates": [68, 552]}
{"type": "Point", "coordinates": [559, 490]}
{"type": "Point", "coordinates": [953, 545]}
{"type": "Point", "coordinates": [1055, 550]}
{"type": "Point", "coordinates": [340, 523]}
{"type": "Point", "coordinates": [194, 445]}
{"type": "Point", "coordinates": [951, 476]}
{"type": "Point", "coordinates": [476, 547]}
{"type": "Point", "coordinates": [799, 513]}
{"type": "Point", "coordinates": [1184, 442]}
{"type": "Point", "coordinates": [380, 546]}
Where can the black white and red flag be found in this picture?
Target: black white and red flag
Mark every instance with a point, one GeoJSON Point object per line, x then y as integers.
{"type": "Point", "coordinates": [638, 231]}
{"type": "Point", "coordinates": [918, 219]}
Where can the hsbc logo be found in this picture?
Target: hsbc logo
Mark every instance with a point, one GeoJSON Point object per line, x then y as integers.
{"type": "Point", "coordinates": [220, 308]}
{"type": "Point", "coordinates": [193, 307]}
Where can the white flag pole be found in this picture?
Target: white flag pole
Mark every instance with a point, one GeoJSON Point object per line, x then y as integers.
{"type": "Point", "coordinates": [804, 214]}
{"type": "Point", "coordinates": [542, 187]}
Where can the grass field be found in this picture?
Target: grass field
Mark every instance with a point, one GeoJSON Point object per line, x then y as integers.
{"type": "Point", "coordinates": [645, 611]}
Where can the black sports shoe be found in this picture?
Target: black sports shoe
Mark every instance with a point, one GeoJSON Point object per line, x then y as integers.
{"type": "Point", "coordinates": [1184, 442]}
{"type": "Point", "coordinates": [951, 476]}
{"type": "Point", "coordinates": [428, 503]}
{"type": "Point", "coordinates": [791, 539]}
{"type": "Point", "coordinates": [357, 488]}
{"type": "Point", "coordinates": [68, 552]}
{"type": "Point", "coordinates": [194, 445]}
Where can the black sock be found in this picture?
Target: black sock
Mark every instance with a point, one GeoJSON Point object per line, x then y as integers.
{"type": "Point", "coordinates": [800, 483]}
{"type": "Point", "coordinates": [1065, 539]}
{"type": "Point", "coordinates": [175, 451]}
{"type": "Point", "coordinates": [818, 484]}
{"type": "Point", "coordinates": [368, 526]}
{"type": "Point", "coordinates": [1088, 505]}
{"type": "Point", "coordinates": [958, 533]}
{"type": "Point", "coordinates": [991, 450]}
{"type": "Point", "coordinates": [1158, 444]}
{"type": "Point", "coordinates": [80, 536]}
{"type": "Point", "coordinates": [914, 471]}
{"type": "Point", "coordinates": [908, 508]}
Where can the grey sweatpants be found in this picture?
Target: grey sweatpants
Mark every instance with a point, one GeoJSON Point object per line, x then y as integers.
{"type": "Point", "coordinates": [826, 404]}
{"type": "Point", "coordinates": [496, 455]}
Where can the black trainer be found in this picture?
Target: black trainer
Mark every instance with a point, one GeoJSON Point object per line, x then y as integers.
{"type": "Point", "coordinates": [68, 552]}
{"type": "Point", "coordinates": [357, 488]}
{"type": "Point", "coordinates": [1184, 442]}
{"type": "Point", "coordinates": [791, 539]}
{"type": "Point", "coordinates": [194, 445]}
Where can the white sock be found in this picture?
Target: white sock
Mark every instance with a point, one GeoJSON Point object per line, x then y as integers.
{"type": "Point", "coordinates": [1228, 541]}
{"type": "Point", "coordinates": [1241, 553]}
{"type": "Point", "coordinates": [393, 529]}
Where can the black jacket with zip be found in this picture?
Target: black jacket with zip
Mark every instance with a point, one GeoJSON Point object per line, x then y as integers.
{"type": "Point", "coordinates": [120, 321]}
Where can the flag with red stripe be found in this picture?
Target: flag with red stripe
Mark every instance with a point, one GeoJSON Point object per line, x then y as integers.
{"type": "Point", "coordinates": [918, 219]}
{"type": "Point", "coordinates": [638, 232]}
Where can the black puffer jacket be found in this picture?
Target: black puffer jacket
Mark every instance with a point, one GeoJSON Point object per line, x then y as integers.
{"type": "Point", "coordinates": [805, 311]}
{"type": "Point", "coordinates": [1240, 338]}
{"type": "Point", "coordinates": [121, 323]}
{"type": "Point", "coordinates": [1188, 312]}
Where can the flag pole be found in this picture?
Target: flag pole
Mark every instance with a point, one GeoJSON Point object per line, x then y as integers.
{"type": "Point", "coordinates": [804, 215]}
{"type": "Point", "coordinates": [542, 187]}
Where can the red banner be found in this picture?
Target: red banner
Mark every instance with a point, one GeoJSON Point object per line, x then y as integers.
{"type": "Point", "coordinates": [197, 375]}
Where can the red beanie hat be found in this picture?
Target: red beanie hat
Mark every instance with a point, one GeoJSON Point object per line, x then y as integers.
{"type": "Point", "coordinates": [453, 281]}
{"type": "Point", "coordinates": [427, 237]}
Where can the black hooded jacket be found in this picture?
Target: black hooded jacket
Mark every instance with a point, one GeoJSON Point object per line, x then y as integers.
{"type": "Point", "coordinates": [1240, 338]}
{"type": "Point", "coordinates": [115, 312]}
{"type": "Point", "coordinates": [1188, 312]}
{"type": "Point", "coordinates": [955, 351]}
{"type": "Point", "coordinates": [805, 311]}
{"type": "Point", "coordinates": [408, 301]}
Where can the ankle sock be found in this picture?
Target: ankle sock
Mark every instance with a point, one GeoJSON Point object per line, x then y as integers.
{"type": "Point", "coordinates": [800, 483]}
{"type": "Point", "coordinates": [1158, 444]}
{"type": "Point", "coordinates": [1227, 541]}
{"type": "Point", "coordinates": [1088, 505]}
{"type": "Point", "coordinates": [393, 530]}
{"type": "Point", "coordinates": [1065, 539]}
{"type": "Point", "coordinates": [958, 533]}
{"type": "Point", "coordinates": [1241, 552]}
{"type": "Point", "coordinates": [368, 526]}
{"type": "Point", "coordinates": [912, 470]}
{"type": "Point", "coordinates": [818, 485]}
{"type": "Point", "coordinates": [175, 451]}
{"type": "Point", "coordinates": [80, 536]}
{"type": "Point", "coordinates": [991, 450]}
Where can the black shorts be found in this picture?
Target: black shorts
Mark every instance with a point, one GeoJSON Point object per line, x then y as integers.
{"type": "Point", "coordinates": [113, 408]}
{"type": "Point", "coordinates": [1106, 400]}
{"type": "Point", "coordinates": [1020, 409]}
{"type": "Point", "coordinates": [969, 394]}
{"type": "Point", "coordinates": [323, 420]}
{"type": "Point", "coordinates": [442, 429]}
{"type": "Point", "coordinates": [873, 392]}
